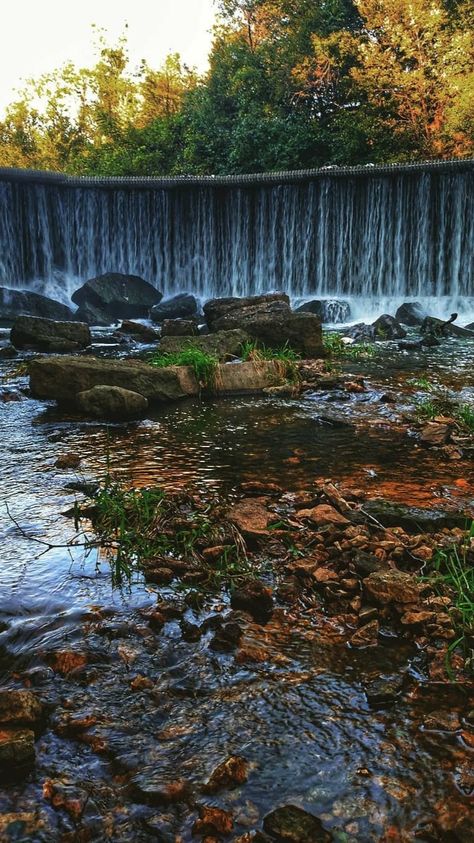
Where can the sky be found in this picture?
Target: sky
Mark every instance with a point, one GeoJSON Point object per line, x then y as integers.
{"type": "Point", "coordinates": [40, 35]}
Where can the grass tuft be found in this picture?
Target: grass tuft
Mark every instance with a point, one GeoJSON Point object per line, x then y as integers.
{"type": "Point", "coordinates": [336, 347]}
{"type": "Point", "coordinates": [204, 365]}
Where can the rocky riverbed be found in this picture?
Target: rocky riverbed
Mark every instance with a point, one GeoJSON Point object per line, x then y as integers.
{"type": "Point", "coordinates": [309, 702]}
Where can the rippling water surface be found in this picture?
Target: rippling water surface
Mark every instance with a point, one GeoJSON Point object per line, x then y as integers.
{"type": "Point", "coordinates": [299, 714]}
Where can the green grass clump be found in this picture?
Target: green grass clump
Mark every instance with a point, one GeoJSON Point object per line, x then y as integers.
{"type": "Point", "coordinates": [453, 570]}
{"type": "Point", "coordinates": [204, 365]}
{"type": "Point", "coordinates": [253, 351]}
{"type": "Point", "coordinates": [336, 347]}
{"type": "Point", "coordinates": [137, 528]}
{"type": "Point", "coordinates": [442, 403]}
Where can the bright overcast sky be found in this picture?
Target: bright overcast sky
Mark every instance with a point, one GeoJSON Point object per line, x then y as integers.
{"type": "Point", "coordinates": [40, 35]}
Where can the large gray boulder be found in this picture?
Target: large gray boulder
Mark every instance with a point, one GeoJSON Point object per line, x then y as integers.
{"type": "Point", "coordinates": [111, 402]}
{"type": "Point", "coordinates": [178, 307]}
{"type": "Point", "coordinates": [270, 321]}
{"type": "Point", "coordinates": [14, 303]}
{"type": "Point", "coordinates": [63, 378]}
{"type": "Point", "coordinates": [216, 309]}
{"type": "Point", "coordinates": [333, 311]}
{"type": "Point", "coordinates": [32, 332]}
{"type": "Point", "coordinates": [116, 296]}
{"type": "Point", "coordinates": [411, 313]}
{"type": "Point", "coordinates": [223, 344]}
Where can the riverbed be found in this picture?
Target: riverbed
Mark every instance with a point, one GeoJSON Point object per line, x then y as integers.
{"type": "Point", "coordinates": [295, 704]}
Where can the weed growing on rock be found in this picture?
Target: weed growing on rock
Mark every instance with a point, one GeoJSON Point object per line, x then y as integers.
{"type": "Point", "coordinates": [166, 534]}
{"type": "Point", "coordinates": [336, 347]}
{"type": "Point", "coordinates": [453, 568]}
{"type": "Point", "coordinates": [288, 359]}
{"type": "Point", "coordinates": [205, 366]}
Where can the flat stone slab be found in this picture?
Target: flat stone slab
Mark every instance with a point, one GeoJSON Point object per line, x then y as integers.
{"type": "Point", "coordinates": [62, 378]}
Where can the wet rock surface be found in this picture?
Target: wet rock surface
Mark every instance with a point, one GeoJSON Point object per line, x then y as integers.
{"type": "Point", "coordinates": [33, 332]}
{"type": "Point", "coordinates": [15, 303]}
{"type": "Point", "coordinates": [116, 296]}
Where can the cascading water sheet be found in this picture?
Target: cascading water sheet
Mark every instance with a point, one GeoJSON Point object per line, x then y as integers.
{"type": "Point", "coordinates": [380, 233]}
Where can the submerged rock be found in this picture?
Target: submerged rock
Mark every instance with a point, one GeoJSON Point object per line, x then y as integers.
{"type": "Point", "coordinates": [290, 824]}
{"type": "Point", "coordinates": [334, 311]}
{"type": "Point", "coordinates": [254, 597]}
{"type": "Point", "coordinates": [177, 307]}
{"type": "Point", "coordinates": [117, 296]}
{"type": "Point", "coordinates": [111, 402]}
{"type": "Point", "coordinates": [14, 303]}
{"type": "Point", "coordinates": [387, 328]}
{"type": "Point", "coordinates": [231, 773]}
{"type": "Point", "coordinates": [48, 335]}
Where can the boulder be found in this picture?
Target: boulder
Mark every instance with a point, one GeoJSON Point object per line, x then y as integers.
{"type": "Point", "coordinates": [248, 378]}
{"type": "Point", "coordinates": [333, 311]}
{"type": "Point", "coordinates": [387, 328]}
{"type": "Point", "coordinates": [48, 335]}
{"type": "Point", "coordinates": [178, 307]}
{"type": "Point", "coordinates": [275, 325]}
{"type": "Point", "coordinates": [290, 824]}
{"type": "Point", "coordinates": [230, 773]}
{"type": "Point", "coordinates": [179, 328]}
{"type": "Point", "coordinates": [142, 333]}
{"type": "Point", "coordinates": [411, 313]}
{"type": "Point", "coordinates": [216, 309]}
{"type": "Point", "coordinates": [14, 303]}
{"type": "Point", "coordinates": [93, 316]}
{"type": "Point", "coordinates": [360, 332]}
{"type": "Point", "coordinates": [118, 296]}
{"type": "Point", "coordinates": [63, 378]}
{"type": "Point", "coordinates": [111, 402]}
{"type": "Point", "coordinates": [440, 328]}
{"type": "Point", "coordinates": [222, 344]}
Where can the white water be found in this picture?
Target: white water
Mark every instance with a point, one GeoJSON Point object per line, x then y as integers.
{"type": "Point", "coordinates": [375, 241]}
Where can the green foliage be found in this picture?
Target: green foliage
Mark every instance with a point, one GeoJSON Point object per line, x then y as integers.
{"type": "Point", "coordinates": [336, 347]}
{"type": "Point", "coordinates": [142, 528]}
{"type": "Point", "coordinates": [205, 366]}
{"type": "Point", "coordinates": [291, 84]}
{"type": "Point", "coordinates": [286, 356]}
{"type": "Point", "coordinates": [453, 569]}
{"type": "Point", "coordinates": [442, 403]}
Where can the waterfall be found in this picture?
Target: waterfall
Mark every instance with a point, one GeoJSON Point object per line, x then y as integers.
{"type": "Point", "coordinates": [379, 233]}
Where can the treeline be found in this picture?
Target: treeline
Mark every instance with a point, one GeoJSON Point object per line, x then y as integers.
{"type": "Point", "coordinates": [291, 84]}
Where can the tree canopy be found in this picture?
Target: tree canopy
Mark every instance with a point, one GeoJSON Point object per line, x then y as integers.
{"type": "Point", "coordinates": [291, 83]}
